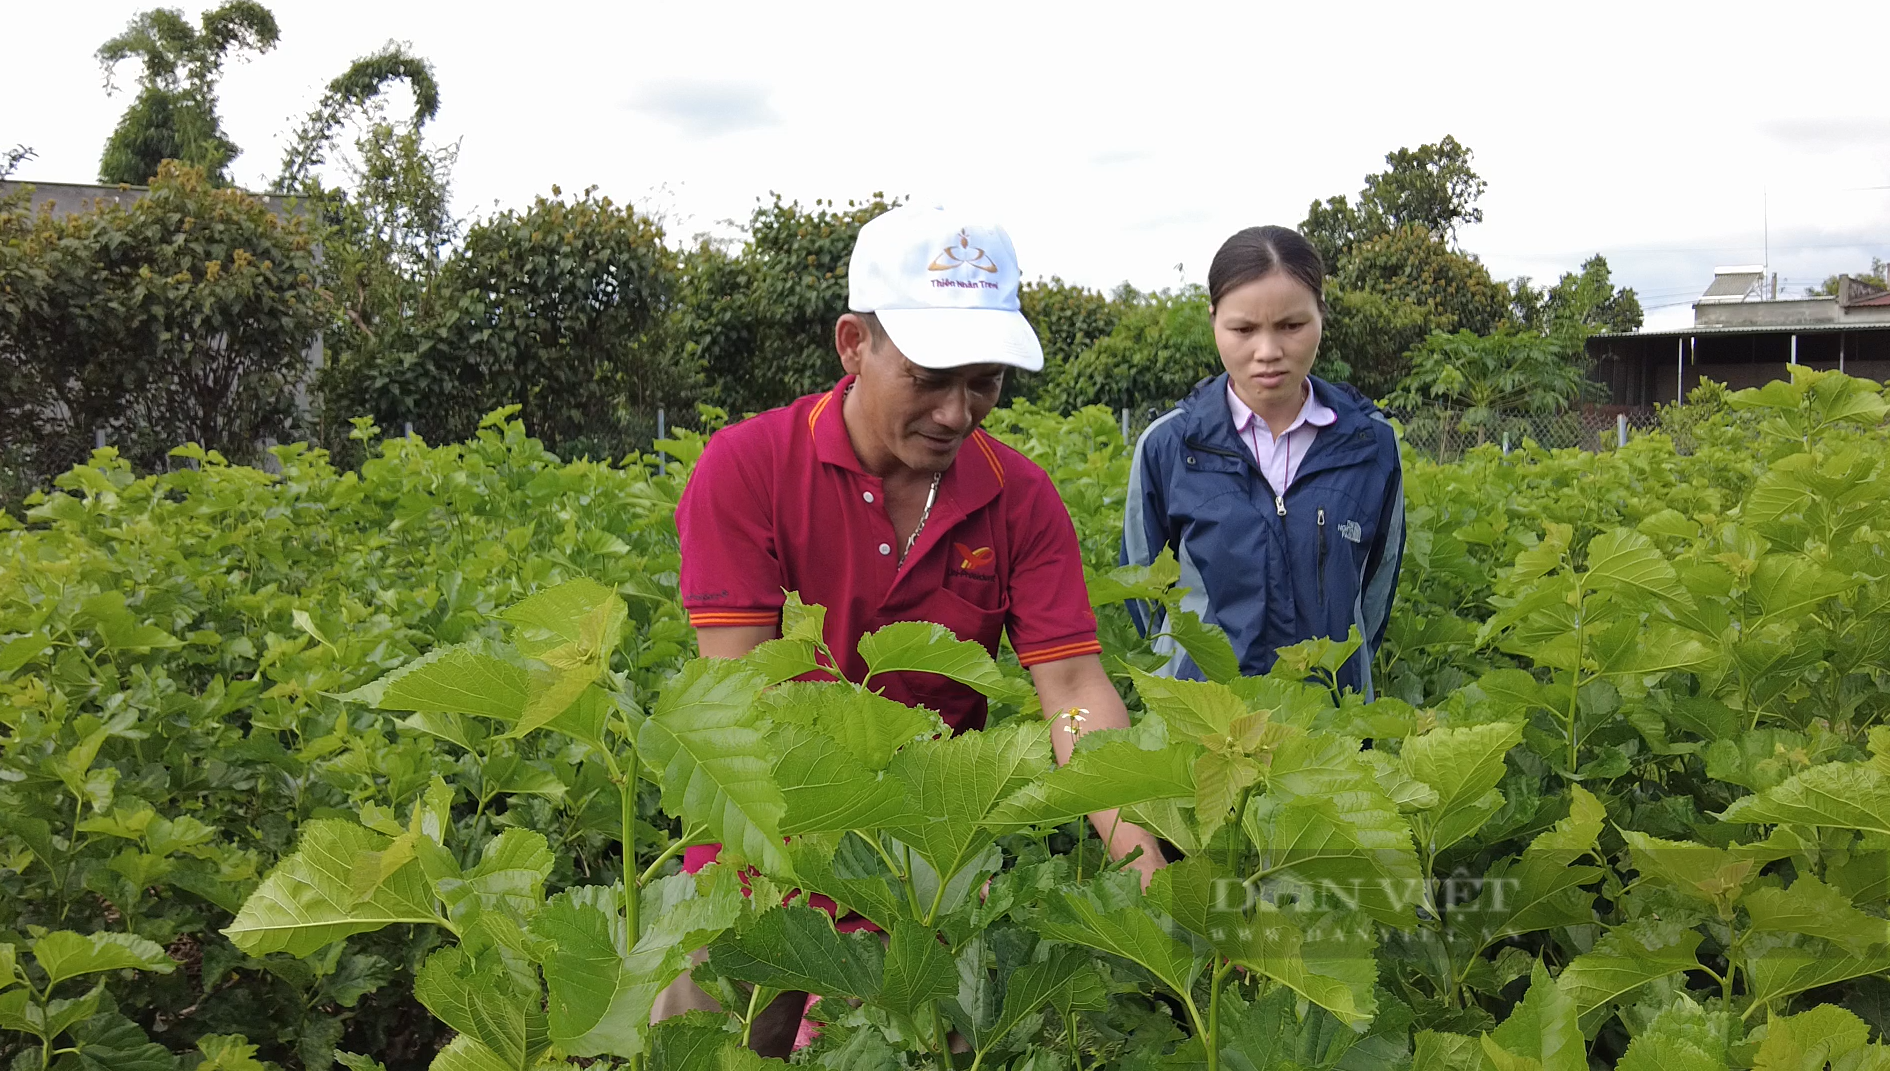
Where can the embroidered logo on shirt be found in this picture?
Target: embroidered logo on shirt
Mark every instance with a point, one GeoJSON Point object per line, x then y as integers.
{"type": "Point", "coordinates": [970, 560]}
{"type": "Point", "coordinates": [1351, 531]}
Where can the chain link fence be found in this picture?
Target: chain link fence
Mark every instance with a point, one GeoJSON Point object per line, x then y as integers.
{"type": "Point", "coordinates": [1444, 435]}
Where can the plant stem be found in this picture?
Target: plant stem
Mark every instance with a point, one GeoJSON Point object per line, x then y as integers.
{"type": "Point", "coordinates": [1207, 1037]}
{"type": "Point", "coordinates": [748, 1020]}
{"type": "Point", "coordinates": [688, 839]}
{"type": "Point", "coordinates": [944, 1045]}
{"type": "Point", "coordinates": [1076, 1050]}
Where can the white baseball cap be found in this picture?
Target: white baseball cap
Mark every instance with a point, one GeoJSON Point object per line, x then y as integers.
{"type": "Point", "coordinates": [945, 289]}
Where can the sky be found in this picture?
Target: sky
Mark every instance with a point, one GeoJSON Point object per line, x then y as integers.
{"type": "Point", "coordinates": [1116, 142]}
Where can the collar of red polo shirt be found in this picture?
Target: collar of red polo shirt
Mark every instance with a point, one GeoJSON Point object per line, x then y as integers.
{"type": "Point", "coordinates": [944, 288]}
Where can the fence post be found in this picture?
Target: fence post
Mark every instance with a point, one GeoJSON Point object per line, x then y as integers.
{"type": "Point", "coordinates": [1620, 429]}
{"type": "Point", "coordinates": [409, 428]}
{"type": "Point", "coordinates": [662, 459]}
{"type": "Point", "coordinates": [1125, 425]}
{"type": "Point", "coordinates": [1506, 444]}
{"type": "Point", "coordinates": [98, 438]}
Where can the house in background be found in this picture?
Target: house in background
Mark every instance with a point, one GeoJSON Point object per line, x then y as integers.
{"type": "Point", "coordinates": [1742, 338]}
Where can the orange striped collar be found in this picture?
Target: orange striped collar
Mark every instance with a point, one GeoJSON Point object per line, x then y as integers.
{"type": "Point", "coordinates": [975, 478]}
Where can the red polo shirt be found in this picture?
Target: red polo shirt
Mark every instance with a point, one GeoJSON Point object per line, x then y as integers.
{"type": "Point", "coordinates": [779, 503]}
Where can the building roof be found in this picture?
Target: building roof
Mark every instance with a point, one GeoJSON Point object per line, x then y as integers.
{"type": "Point", "coordinates": [1768, 329]}
{"type": "Point", "coordinates": [1881, 300]}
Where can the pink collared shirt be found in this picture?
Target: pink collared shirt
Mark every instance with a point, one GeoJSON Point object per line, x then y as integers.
{"type": "Point", "coordinates": [1279, 457]}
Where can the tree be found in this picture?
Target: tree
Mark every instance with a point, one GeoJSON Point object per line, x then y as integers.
{"type": "Point", "coordinates": [1583, 303]}
{"type": "Point", "coordinates": [1431, 187]}
{"type": "Point", "coordinates": [560, 309]}
{"type": "Point", "coordinates": [1479, 385]}
{"type": "Point", "coordinates": [1068, 320]}
{"type": "Point", "coordinates": [1390, 291]}
{"type": "Point", "coordinates": [354, 92]}
{"type": "Point", "coordinates": [759, 321]}
{"type": "Point", "coordinates": [1161, 346]}
{"type": "Point", "coordinates": [183, 316]}
{"type": "Point", "coordinates": [1877, 275]}
{"type": "Point", "coordinates": [174, 116]}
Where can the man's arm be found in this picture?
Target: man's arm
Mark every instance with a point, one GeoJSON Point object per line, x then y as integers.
{"type": "Point", "coordinates": [1081, 682]}
{"type": "Point", "coordinates": [733, 642]}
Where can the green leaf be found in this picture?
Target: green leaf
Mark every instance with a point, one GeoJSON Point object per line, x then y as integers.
{"type": "Point", "coordinates": [1810, 1040]}
{"type": "Point", "coordinates": [1105, 916]}
{"type": "Point", "coordinates": [1836, 795]}
{"type": "Point", "coordinates": [1543, 1033]}
{"type": "Point", "coordinates": [600, 991]}
{"type": "Point", "coordinates": [1683, 1037]}
{"type": "Point", "coordinates": [868, 725]}
{"type": "Point", "coordinates": [63, 954]}
{"type": "Point", "coordinates": [921, 647]}
{"type": "Point", "coordinates": [1192, 709]}
{"type": "Point", "coordinates": [796, 948]}
{"type": "Point", "coordinates": [783, 659]}
{"type": "Point", "coordinates": [1813, 908]}
{"type": "Point", "coordinates": [1463, 766]}
{"type": "Point", "coordinates": [574, 625]}
{"type": "Point", "coordinates": [1626, 958]}
{"type": "Point", "coordinates": [1696, 871]}
{"type": "Point", "coordinates": [111, 1042]}
{"type": "Point", "coordinates": [477, 998]}
{"type": "Point", "coordinates": [1205, 643]}
{"type": "Point", "coordinates": [952, 786]}
{"type": "Point", "coordinates": [1434, 1050]}
{"type": "Point", "coordinates": [1067, 980]}
{"type": "Point", "coordinates": [456, 680]}
{"type": "Point", "coordinates": [712, 760]}
{"type": "Point", "coordinates": [227, 1052]}
{"type": "Point", "coordinates": [1625, 560]}
{"type": "Point", "coordinates": [1113, 774]}
{"type": "Point", "coordinates": [918, 970]}
{"type": "Point", "coordinates": [1780, 965]}
{"type": "Point", "coordinates": [828, 790]}
{"type": "Point", "coordinates": [309, 899]}
{"type": "Point", "coordinates": [119, 628]}
{"type": "Point", "coordinates": [20, 650]}
{"type": "Point", "coordinates": [1219, 780]}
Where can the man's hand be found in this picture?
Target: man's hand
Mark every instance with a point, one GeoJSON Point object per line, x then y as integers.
{"type": "Point", "coordinates": [1082, 684]}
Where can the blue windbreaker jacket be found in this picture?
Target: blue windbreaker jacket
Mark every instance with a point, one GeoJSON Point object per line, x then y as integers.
{"type": "Point", "coordinates": [1270, 572]}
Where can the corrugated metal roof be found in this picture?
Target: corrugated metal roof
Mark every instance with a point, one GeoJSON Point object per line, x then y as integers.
{"type": "Point", "coordinates": [1800, 329]}
{"type": "Point", "coordinates": [1878, 301]}
{"type": "Point", "coordinates": [1733, 285]}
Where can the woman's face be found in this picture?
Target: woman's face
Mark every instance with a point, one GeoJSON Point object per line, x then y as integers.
{"type": "Point", "coordinates": [1268, 333]}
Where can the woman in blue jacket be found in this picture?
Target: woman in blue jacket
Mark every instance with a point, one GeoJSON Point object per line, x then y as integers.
{"type": "Point", "coordinates": [1280, 493]}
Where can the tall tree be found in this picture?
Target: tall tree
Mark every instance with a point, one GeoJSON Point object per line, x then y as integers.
{"type": "Point", "coordinates": [353, 93]}
{"type": "Point", "coordinates": [1431, 187]}
{"type": "Point", "coordinates": [1388, 291]}
{"type": "Point", "coordinates": [174, 116]}
{"type": "Point", "coordinates": [1479, 386]}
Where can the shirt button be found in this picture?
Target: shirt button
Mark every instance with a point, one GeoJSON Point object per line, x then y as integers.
{"type": "Point", "coordinates": [885, 548]}
{"type": "Point", "coordinates": [868, 495]}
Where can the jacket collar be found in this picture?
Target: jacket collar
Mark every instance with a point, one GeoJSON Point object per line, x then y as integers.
{"type": "Point", "coordinates": [1210, 423]}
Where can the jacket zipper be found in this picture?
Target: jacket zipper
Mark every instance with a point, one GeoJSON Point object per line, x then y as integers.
{"type": "Point", "coordinates": [1322, 555]}
{"type": "Point", "coordinates": [1279, 500]}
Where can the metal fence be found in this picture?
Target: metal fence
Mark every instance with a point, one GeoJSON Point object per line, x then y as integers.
{"type": "Point", "coordinates": [1443, 435]}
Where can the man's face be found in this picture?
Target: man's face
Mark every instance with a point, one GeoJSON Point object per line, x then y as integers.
{"type": "Point", "coordinates": [921, 416]}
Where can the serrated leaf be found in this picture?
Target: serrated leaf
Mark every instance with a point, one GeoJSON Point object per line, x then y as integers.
{"type": "Point", "coordinates": [227, 1052]}
{"type": "Point", "coordinates": [63, 954]}
{"type": "Point", "coordinates": [922, 647]}
{"type": "Point", "coordinates": [1810, 1040]}
{"type": "Point", "coordinates": [1206, 644]}
{"type": "Point", "coordinates": [1836, 795]}
{"type": "Point", "coordinates": [828, 790]}
{"type": "Point", "coordinates": [712, 760]}
{"type": "Point", "coordinates": [114, 1043]}
{"type": "Point", "coordinates": [1625, 560]}
{"type": "Point", "coordinates": [1543, 1033]}
{"type": "Point", "coordinates": [1103, 916]}
{"type": "Point", "coordinates": [1067, 979]}
{"type": "Point", "coordinates": [953, 785]}
{"type": "Point", "coordinates": [918, 970]}
{"type": "Point", "coordinates": [477, 998]}
{"type": "Point", "coordinates": [1683, 1037]}
{"type": "Point", "coordinates": [575, 624]}
{"type": "Point", "coordinates": [795, 947]}
{"type": "Point", "coordinates": [1109, 775]}
{"type": "Point", "coordinates": [1626, 958]}
{"type": "Point", "coordinates": [1783, 964]}
{"type": "Point", "coordinates": [308, 900]}
{"type": "Point", "coordinates": [457, 680]}
{"type": "Point", "coordinates": [1463, 766]}
{"type": "Point", "coordinates": [1192, 709]}
{"type": "Point", "coordinates": [1696, 871]}
{"type": "Point", "coordinates": [1813, 908]}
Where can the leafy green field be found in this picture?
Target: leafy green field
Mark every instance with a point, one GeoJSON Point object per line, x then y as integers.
{"type": "Point", "coordinates": [329, 765]}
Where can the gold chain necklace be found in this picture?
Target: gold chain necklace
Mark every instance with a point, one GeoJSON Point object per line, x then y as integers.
{"type": "Point", "coordinates": [931, 497]}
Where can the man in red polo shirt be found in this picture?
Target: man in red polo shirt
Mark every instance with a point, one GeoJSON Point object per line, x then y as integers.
{"type": "Point", "coordinates": [882, 501]}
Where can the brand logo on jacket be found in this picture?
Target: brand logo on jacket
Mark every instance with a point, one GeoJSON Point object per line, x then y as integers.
{"type": "Point", "coordinates": [1351, 531]}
